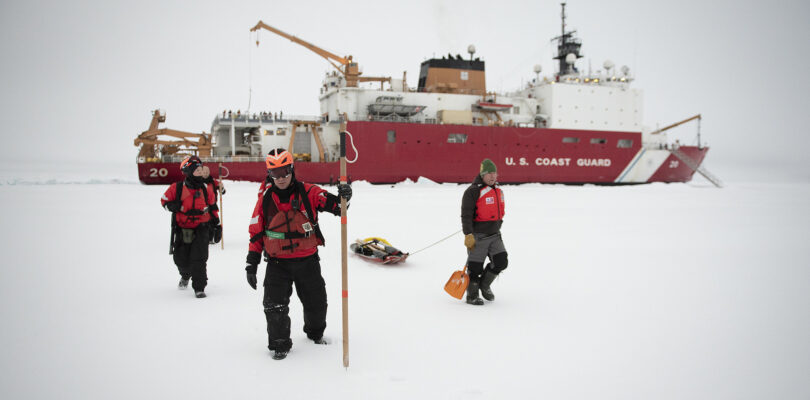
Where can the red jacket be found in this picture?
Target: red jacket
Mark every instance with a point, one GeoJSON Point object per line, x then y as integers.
{"type": "Point", "coordinates": [490, 205]}
{"type": "Point", "coordinates": [193, 208]}
{"type": "Point", "coordinates": [318, 200]}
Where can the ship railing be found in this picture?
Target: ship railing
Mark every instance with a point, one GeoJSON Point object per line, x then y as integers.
{"type": "Point", "coordinates": [213, 159]}
{"type": "Point", "coordinates": [267, 119]}
{"type": "Point", "coordinates": [476, 92]}
{"type": "Point", "coordinates": [391, 118]}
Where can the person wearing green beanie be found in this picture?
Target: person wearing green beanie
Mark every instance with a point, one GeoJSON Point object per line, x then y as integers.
{"type": "Point", "coordinates": [482, 211]}
{"type": "Point", "coordinates": [487, 166]}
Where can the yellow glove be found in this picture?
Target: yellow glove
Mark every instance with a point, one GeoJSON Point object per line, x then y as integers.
{"type": "Point", "coordinates": [469, 241]}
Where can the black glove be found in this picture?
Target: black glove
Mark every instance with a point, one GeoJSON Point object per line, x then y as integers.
{"type": "Point", "coordinates": [253, 260]}
{"type": "Point", "coordinates": [173, 206]}
{"type": "Point", "coordinates": [251, 278]}
{"type": "Point", "coordinates": [214, 220]}
{"type": "Point", "coordinates": [216, 234]}
{"type": "Point", "coordinates": [345, 191]}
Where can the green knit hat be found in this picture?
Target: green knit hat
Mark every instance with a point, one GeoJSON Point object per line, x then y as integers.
{"type": "Point", "coordinates": [488, 166]}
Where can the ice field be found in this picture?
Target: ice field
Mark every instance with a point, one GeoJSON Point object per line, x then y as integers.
{"type": "Point", "coordinates": [665, 291]}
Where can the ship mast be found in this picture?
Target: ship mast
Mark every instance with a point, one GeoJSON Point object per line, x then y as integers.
{"type": "Point", "coordinates": [567, 49]}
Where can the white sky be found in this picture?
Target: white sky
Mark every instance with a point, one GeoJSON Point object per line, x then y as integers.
{"type": "Point", "coordinates": [79, 79]}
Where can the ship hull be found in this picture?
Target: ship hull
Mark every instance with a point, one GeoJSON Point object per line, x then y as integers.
{"type": "Point", "coordinates": [390, 152]}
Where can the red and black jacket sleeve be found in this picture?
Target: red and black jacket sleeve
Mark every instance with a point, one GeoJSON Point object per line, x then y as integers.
{"type": "Point", "coordinates": [322, 200]}
{"type": "Point", "coordinates": [212, 201]}
{"type": "Point", "coordinates": [256, 233]}
{"type": "Point", "coordinates": [170, 196]}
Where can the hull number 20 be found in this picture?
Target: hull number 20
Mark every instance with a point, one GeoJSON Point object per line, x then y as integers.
{"type": "Point", "coordinates": [155, 172]}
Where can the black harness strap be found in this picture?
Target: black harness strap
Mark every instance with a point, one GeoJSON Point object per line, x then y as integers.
{"type": "Point", "coordinates": [310, 213]}
{"type": "Point", "coordinates": [210, 207]}
{"type": "Point", "coordinates": [270, 210]}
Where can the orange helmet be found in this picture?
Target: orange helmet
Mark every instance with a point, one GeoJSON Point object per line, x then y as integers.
{"type": "Point", "coordinates": [189, 164]}
{"type": "Point", "coordinates": [278, 158]}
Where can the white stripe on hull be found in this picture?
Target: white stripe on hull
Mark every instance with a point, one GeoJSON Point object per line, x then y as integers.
{"type": "Point", "coordinates": [643, 166]}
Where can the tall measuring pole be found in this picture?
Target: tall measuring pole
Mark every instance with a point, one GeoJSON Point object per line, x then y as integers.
{"type": "Point", "coordinates": [343, 252]}
{"type": "Point", "coordinates": [221, 209]}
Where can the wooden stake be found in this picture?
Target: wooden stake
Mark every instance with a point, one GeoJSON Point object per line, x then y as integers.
{"type": "Point", "coordinates": [221, 210]}
{"type": "Point", "coordinates": [343, 251]}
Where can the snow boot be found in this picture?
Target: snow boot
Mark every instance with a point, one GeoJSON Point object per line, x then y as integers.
{"type": "Point", "coordinates": [472, 294]}
{"type": "Point", "coordinates": [486, 281]}
{"type": "Point", "coordinates": [279, 354]}
{"type": "Point", "coordinates": [200, 294]}
{"type": "Point", "coordinates": [183, 283]}
{"type": "Point", "coordinates": [320, 340]}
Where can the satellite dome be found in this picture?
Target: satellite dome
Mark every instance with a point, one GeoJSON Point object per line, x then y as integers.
{"type": "Point", "coordinates": [571, 58]}
{"type": "Point", "coordinates": [537, 68]}
{"type": "Point", "coordinates": [608, 64]}
{"type": "Point", "coordinates": [625, 70]}
{"type": "Point", "coordinates": [471, 49]}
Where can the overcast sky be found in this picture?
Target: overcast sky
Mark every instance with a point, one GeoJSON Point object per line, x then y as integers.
{"type": "Point", "coordinates": [79, 79]}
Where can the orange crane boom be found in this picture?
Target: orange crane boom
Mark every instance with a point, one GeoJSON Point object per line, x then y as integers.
{"type": "Point", "coordinates": [348, 67]}
{"type": "Point", "coordinates": [329, 56]}
{"type": "Point", "coordinates": [697, 117]}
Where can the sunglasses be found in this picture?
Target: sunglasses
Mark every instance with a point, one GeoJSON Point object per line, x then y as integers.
{"type": "Point", "coordinates": [281, 172]}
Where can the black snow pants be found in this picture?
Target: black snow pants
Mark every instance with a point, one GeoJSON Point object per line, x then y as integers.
{"type": "Point", "coordinates": [191, 258]}
{"type": "Point", "coordinates": [305, 273]}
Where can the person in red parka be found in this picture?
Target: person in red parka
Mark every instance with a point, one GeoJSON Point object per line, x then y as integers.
{"type": "Point", "coordinates": [482, 211]}
{"type": "Point", "coordinates": [285, 229]}
{"type": "Point", "coordinates": [193, 207]}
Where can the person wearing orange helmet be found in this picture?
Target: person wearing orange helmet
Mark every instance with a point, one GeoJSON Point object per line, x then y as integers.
{"type": "Point", "coordinates": [193, 208]}
{"type": "Point", "coordinates": [285, 229]}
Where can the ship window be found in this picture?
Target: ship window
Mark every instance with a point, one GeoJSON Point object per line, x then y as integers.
{"type": "Point", "coordinates": [570, 140]}
{"type": "Point", "coordinates": [392, 136]}
{"type": "Point", "coordinates": [625, 143]}
{"type": "Point", "coordinates": [281, 131]}
{"type": "Point", "coordinates": [457, 138]}
{"type": "Point", "coordinates": [538, 109]}
{"type": "Point", "coordinates": [598, 141]}
{"type": "Point", "coordinates": [515, 110]}
{"type": "Point", "coordinates": [465, 75]}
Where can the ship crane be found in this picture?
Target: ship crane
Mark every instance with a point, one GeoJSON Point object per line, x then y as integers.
{"type": "Point", "coordinates": [346, 66]}
{"type": "Point", "coordinates": [151, 143]}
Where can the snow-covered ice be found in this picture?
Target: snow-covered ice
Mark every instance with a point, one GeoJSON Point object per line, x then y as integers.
{"type": "Point", "coordinates": [656, 291]}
